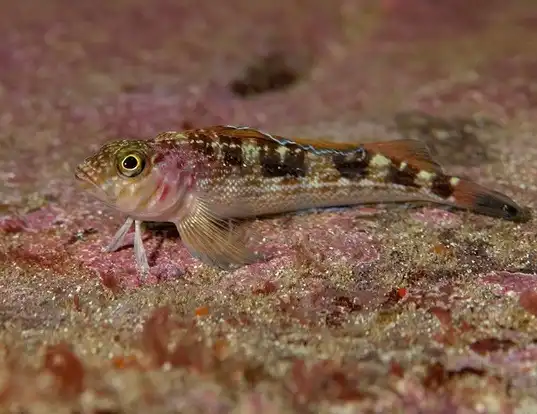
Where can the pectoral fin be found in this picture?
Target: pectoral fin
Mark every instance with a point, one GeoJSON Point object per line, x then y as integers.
{"type": "Point", "coordinates": [118, 240]}
{"type": "Point", "coordinates": [139, 251]}
{"type": "Point", "coordinates": [214, 240]}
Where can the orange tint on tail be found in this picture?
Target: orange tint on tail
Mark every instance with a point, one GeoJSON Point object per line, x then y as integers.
{"type": "Point", "coordinates": [472, 196]}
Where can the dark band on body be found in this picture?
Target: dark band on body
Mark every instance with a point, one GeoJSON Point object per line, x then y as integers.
{"type": "Point", "coordinates": [352, 165]}
{"type": "Point", "coordinates": [276, 162]}
{"type": "Point", "coordinates": [442, 187]}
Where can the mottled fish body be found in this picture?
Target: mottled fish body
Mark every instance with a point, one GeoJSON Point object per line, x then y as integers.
{"type": "Point", "coordinates": [200, 178]}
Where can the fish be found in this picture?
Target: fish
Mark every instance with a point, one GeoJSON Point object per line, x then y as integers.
{"type": "Point", "coordinates": [205, 180]}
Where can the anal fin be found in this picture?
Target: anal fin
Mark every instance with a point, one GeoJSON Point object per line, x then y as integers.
{"type": "Point", "coordinates": [214, 240]}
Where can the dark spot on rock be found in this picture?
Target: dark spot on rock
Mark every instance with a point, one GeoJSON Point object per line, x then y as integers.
{"type": "Point", "coordinates": [439, 297]}
{"type": "Point", "coordinates": [391, 298]}
{"type": "Point", "coordinates": [186, 124]}
{"type": "Point", "coordinates": [129, 87]}
{"type": "Point", "coordinates": [242, 319]}
{"type": "Point", "coordinates": [274, 72]}
{"type": "Point", "coordinates": [484, 346]}
{"type": "Point", "coordinates": [418, 274]}
{"type": "Point", "coordinates": [386, 317]}
{"type": "Point", "coordinates": [255, 373]}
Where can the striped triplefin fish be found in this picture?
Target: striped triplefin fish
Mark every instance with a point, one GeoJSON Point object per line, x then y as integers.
{"type": "Point", "coordinates": [202, 179]}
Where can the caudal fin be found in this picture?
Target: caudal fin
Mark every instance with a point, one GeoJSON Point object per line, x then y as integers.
{"type": "Point", "coordinates": [412, 166]}
{"type": "Point", "coordinates": [472, 196]}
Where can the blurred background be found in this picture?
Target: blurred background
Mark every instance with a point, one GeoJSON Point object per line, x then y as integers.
{"type": "Point", "coordinates": [88, 71]}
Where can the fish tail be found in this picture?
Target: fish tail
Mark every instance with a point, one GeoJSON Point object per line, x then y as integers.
{"type": "Point", "coordinates": [410, 164]}
{"type": "Point", "coordinates": [467, 194]}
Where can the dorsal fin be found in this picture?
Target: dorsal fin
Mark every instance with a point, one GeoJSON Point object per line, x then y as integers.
{"type": "Point", "coordinates": [415, 153]}
{"type": "Point", "coordinates": [246, 132]}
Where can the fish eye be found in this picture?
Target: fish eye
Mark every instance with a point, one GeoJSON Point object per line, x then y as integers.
{"type": "Point", "coordinates": [131, 165]}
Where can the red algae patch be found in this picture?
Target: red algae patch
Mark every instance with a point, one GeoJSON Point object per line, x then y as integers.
{"type": "Point", "coordinates": [168, 258]}
{"type": "Point", "coordinates": [487, 345]}
{"type": "Point", "coordinates": [66, 367]}
{"type": "Point", "coordinates": [41, 219]}
{"type": "Point", "coordinates": [528, 300]}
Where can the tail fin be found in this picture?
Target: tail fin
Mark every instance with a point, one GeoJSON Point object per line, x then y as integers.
{"type": "Point", "coordinates": [414, 167]}
{"type": "Point", "coordinates": [469, 195]}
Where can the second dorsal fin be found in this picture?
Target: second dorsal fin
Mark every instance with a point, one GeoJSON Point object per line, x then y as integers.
{"type": "Point", "coordinates": [413, 152]}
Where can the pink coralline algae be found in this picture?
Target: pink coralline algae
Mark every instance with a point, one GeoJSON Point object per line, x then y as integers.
{"type": "Point", "coordinates": [41, 219]}
{"type": "Point", "coordinates": [438, 218]}
{"type": "Point", "coordinates": [511, 282]}
{"type": "Point", "coordinates": [528, 300]}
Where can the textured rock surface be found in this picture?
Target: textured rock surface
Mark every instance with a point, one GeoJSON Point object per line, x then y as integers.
{"type": "Point", "coordinates": [420, 310]}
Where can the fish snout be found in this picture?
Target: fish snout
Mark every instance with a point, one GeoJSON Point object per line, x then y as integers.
{"type": "Point", "coordinates": [85, 176]}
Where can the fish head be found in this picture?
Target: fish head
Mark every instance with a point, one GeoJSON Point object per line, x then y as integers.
{"type": "Point", "coordinates": [136, 178]}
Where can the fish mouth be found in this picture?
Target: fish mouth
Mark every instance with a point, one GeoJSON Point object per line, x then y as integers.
{"type": "Point", "coordinates": [88, 184]}
{"type": "Point", "coordinates": [81, 175]}
{"type": "Point", "coordinates": [83, 178]}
